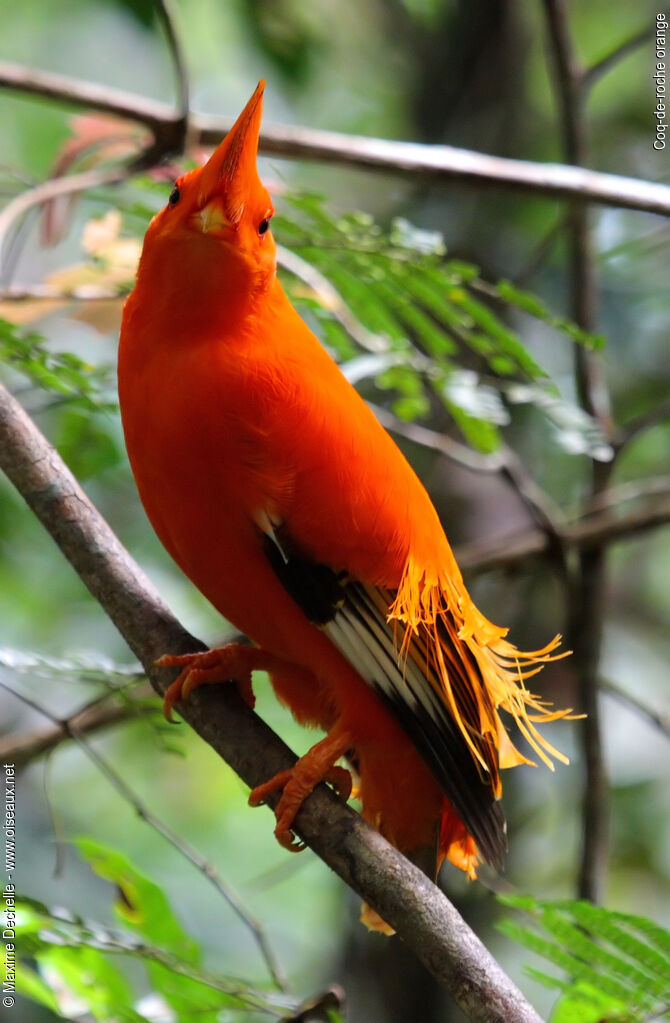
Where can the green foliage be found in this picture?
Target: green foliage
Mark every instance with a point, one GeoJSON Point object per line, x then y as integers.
{"type": "Point", "coordinates": [437, 319]}
{"type": "Point", "coordinates": [80, 962]}
{"type": "Point", "coordinates": [64, 376]}
{"type": "Point", "coordinates": [618, 964]}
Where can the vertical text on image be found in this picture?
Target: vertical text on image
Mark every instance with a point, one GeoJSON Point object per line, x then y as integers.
{"type": "Point", "coordinates": [659, 80]}
{"type": "Point", "coordinates": [9, 889]}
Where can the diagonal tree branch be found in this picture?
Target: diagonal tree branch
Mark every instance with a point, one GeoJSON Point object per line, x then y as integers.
{"type": "Point", "coordinates": [594, 73]}
{"type": "Point", "coordinates": [438, 163]}
{"type": "Point", "coordinates": [421, 914]}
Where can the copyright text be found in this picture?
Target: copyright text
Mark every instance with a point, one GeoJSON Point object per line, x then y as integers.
{"type": "Point", "coordinates": [9, 890]}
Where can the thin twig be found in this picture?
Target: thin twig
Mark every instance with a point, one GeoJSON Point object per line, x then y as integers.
{"type": "Point", "coordinates": [50, 293]}
{"type": "Point", "coordinates": [591, 533]}
{"type": "Point", "coordinates": [623, 493]}
{"type": "Point", "coordinates": [660, 721]}
{"type": "Point", "coordinates": [543, 509]}
{"type": "Point", "coordinates": [588, 584]}
{"type": "Point", "coordinates": [168, 15]}
{"type": "Point", "coordinates": [645, 421]}
{"type": "Point", "coordinates": [23, 749]}
{"type": "Point", "coordinates": [441, 442]}
{"type": "Point", "coordinates": [53, 189]}
{"type": "Point", "coordinates": [610, 60]}
{"type": "Point", "coordinates": [437, 163]}
{"type": "Point", "coordinates": [182, 847]}
{"type": "Point", "coordinates": [56, 822]}
{"type": "Point", "coordinates": [541, 251]}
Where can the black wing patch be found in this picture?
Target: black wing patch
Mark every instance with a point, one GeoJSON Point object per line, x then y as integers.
{"type": "Point", "coordinates": [366, 639]}
{"type": "Point", "coordinates": [316, 589]}
{"type": "Point", "coordinates": [354, 617]}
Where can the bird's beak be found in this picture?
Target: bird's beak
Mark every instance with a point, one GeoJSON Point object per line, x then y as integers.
{"type": "Point", "coordinates": [230, 172]}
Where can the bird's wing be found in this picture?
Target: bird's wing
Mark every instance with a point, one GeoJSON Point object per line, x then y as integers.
{"type": "Point", "coordinates": [355, 617]}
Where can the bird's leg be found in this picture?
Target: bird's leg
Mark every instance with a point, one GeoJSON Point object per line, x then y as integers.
{"type": "Point", "coordinates": [317, 765]}
{"type": "Point", "coordinates": [232, 663]}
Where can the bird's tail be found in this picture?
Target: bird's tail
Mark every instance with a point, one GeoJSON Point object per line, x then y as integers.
{"type": "Point", "coordinates": [477, 671]}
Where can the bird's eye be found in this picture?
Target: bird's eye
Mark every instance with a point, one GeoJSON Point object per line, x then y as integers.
{"type": "Point", "coordinates": [175, 196]}
{"type": "Point", "coordinates": [264, 225]}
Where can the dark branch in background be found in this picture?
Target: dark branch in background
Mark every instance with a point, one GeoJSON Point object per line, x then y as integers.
{"type": "Point", "coordinates": [167, 16]}
{"type": "Point", "coordinates": [587, 599]}
{"type": "Point", "coordinates": [654, 717]}
{"type": "Point", "coordinates": [610, 60]}
{"type": "Point", "coordinates": [421, 914]}
{"type": "Point", "coordinates": [591, 533]}
{"type": "Point", "coordinates": [437, 162]}
{"type": "Point", "coordinates": [646, 421]}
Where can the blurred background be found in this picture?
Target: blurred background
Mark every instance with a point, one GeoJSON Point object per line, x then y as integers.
{"type": "Point", "coordinates": [476, 75]}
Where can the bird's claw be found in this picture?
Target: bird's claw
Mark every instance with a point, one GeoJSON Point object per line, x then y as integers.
{"type": "Point", "coordinates": [207, 667]}
{"type": "Point", "coordinates": [296, 784]}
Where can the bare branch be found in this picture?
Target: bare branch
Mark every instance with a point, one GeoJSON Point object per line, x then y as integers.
{"type": "Point", "coordinates": [23, 749]}
{"type": "Point", "coordinates": [437, 163]}
{"type": "Point", "coordinates": [402, 894]}
{"type": "Point", "coordinates": [646, 421]}
{"type": "Point", "coordinates": [73, 92]}
{"type": "Point", "coordinates": [587, 599]}
{"type": "Point", "coordinates": [168, 14]}
{"type": "Point", "coordinates": [593, 532]}
{"type": "Point", "coordinates": [610, 60]}
{"type": "Point", "coordinates": [660, 721]}
{"type": "Point", "coordinates": [441, 442]}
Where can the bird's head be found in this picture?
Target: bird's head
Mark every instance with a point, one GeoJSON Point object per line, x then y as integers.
{"type": "Point", "coordinates": [217, 218]}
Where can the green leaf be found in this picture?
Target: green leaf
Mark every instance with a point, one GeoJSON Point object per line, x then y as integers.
{"type": "Point", "coordinates": [62, 374]}
{"type": "Point", "coordinates": [481, 435]}
{"type": "Point", "coordinates": [30, 985]}
{"type": "Point", "coordinates": [141, 905]}
{"type": "Point", "coordinates": [617, 965]}
{"type": "Point", "coordinates": [90, 977]}
{"type": "Point", "coordinates": [585, 1003]}
{"type": "Point", "coordinates": [77, 957]}
{"type": "Point", "coordinates": [532, 305]}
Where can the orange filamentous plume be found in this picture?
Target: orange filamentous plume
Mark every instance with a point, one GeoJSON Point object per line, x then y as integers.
{"type": "Point", "coordinates": [444, 611]}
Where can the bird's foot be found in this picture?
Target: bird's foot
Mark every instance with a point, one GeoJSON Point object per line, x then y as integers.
{"type": "Point", "coordinates": [231, 663]}
{"type": "Point", "coordinates": [318, 765]}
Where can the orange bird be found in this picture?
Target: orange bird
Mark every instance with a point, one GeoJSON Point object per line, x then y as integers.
{"type": "Point", "coordinates": [278, 493]}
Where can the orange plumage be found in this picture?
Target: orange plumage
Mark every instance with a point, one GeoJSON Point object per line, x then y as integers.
{"type": "Point", "coordinates": [278, 493]}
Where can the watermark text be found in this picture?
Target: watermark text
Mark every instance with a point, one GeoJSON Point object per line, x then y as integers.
{"type": "Point", "coordinates": [9, 891]}
{"type": "Point", "coordinates": [660, 110]}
